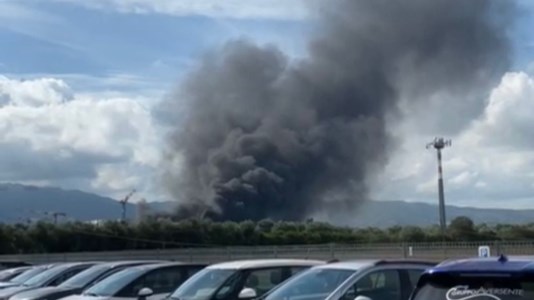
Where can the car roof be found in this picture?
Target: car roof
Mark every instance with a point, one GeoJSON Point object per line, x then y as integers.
{"type": "Point", "coordinates": [113, 264]}
{"type": "Point", "coordinates": [75, 264]}
{"type": "Point", "coordinates": [349, 265]}
{"type": "Point", "coordinates": [264, 263]}
{"type": "Point", "coordinates": [359, 264]}
{"type": "Point", "coordinates": [17, 269]}
{"type": "Point", "coordinates": [150, 267]}
{"type": "Point", "coordinates": [501, 264]}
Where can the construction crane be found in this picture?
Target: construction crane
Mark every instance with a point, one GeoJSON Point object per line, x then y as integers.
{"type": "Point", "coordinates": [123, 203]}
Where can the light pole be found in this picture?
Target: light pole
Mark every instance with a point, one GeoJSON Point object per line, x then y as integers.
{"type": "Point", "coordinates": [439, 144]}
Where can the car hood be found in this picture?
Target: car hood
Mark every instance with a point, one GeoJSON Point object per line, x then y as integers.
{"type": "Point", "coordinates": [9, 292]}
{"type": "Point", "coordinates": [43, 293]}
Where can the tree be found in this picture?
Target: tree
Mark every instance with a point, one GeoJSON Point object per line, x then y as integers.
{"type": "Point", "coordinates": [462, 229]}
{"type": "Point", "coordinates": [412, 234]}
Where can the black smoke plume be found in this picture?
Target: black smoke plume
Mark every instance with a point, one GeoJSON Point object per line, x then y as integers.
{"type": "Point", "coordinates": [264, 136]}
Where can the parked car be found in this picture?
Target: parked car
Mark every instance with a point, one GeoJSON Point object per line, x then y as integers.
{"type": "Point", "coordinates": [25, 276]}
{"type": "Point", "coordinates": [353, 280]}
{"type": "Point", "coordinates": [245, 279]}
{"type": "Point", "coordinates": [79, 282]}
{"type": "Point", "coordinates": [51, 277]}
{"type": "Point", "coordinates": [9, 274]}
{"type": "Point", "coordinates": [153, 282]}
{"type": "Point", "coordinates": [494, 278]}
{"type": "Point", "coordinates": [12, 264]}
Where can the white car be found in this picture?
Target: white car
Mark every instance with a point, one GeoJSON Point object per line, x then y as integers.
{"type": "Point", "coordinates": [148, 282]}
{"type": "Point", "coordinates": [244, 279]}
{"type": "Point", "coordinates": [353, 280]}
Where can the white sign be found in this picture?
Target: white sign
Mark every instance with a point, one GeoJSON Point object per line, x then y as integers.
{"type": "Point", "coordinates": [484, 251]}
{"type": "Point", "coordinates": [464, 293]}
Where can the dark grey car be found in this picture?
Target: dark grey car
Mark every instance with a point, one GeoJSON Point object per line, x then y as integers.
{"type": "Point", "coordinates": [9, 274]}
{"type": "Point", "coordinates": [25, 276]}
{"type": "Point", "coordinates": [51, 277]}
{"type": "Point", "coordinates": [79, 282]}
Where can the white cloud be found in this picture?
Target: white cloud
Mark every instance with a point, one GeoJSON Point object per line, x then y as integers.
{"type": "Point", "coordinates": [33, 93]}
{"type": "Point", "coordinates": [49, 133]}
{"type": "Point", "coordinates": [508, 118]}
{"type": "Point", "coordinates": [239, 9]}
{"type": "Point", "coordinates": [490, 163]}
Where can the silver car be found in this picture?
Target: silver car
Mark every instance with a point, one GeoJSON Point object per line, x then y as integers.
{"type": "Point", "coordinates": [353, 280]}
{"type": "Point", "coordinates": [148, 282]}
{"type": "Point", "coordinates": [243, 279]}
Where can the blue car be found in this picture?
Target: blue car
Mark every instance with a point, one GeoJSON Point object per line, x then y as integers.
{"type": "Point", "coordinates": [493, 278]}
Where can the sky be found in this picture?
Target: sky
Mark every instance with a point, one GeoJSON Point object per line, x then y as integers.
{"type": "Point", "coordinates": [80, 84]}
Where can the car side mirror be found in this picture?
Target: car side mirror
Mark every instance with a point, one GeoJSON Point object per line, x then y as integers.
{"type": "Point", "coordinates": [362, 298]}
{"type": "Point", "coordinates": [144, 293]}
{"type": "Point", "coordinates": [247, 293]}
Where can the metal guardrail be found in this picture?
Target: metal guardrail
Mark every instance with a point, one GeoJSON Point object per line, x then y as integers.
{"type": "Point", "coordinates": [430, 251]}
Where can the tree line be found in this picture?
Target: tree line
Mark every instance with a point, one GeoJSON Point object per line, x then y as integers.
{"type": "Point", "coordinates": [45, 237]}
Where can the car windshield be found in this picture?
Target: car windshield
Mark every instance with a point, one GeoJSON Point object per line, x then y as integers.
{"type": "Point", "coordinates": [203, 284]}
{"type": "Point", "coordinates": [84, 278]}
{"type": "Point", "coordinates": [7, 274]}
{"type": "Point", "coordinates": [43, 277]}
{"type": "Point", "coordinates": [111, 285]}
{"type": "Point", "coordinates": [311, 284]}
{"type": "Point", "coordinates": [26, 275]}
{"type": "Point", "coordinates": [444, 287]}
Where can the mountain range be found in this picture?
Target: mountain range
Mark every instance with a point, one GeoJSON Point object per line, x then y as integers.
{"type": "Point", "coordinates": [21, 203]}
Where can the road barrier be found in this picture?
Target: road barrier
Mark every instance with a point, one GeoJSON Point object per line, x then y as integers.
{"type": "Point", "coordinates": [430, 251]}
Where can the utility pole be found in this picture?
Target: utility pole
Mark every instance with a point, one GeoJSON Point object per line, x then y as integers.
{"type": "Point", "coordinates": [439, 144]}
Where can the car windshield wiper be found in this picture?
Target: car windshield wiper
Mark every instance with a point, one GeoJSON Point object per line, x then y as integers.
{"type": "Point", "coordinates": [90, 294]}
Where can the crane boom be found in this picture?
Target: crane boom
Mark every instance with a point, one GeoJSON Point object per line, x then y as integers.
{"type": "Point", "coordinates": [123, 204]}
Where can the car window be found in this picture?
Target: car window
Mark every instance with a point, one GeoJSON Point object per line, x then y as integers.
{"type": "Point", "coordinates": [230, 288]}
{"type": "Point", "coordinates": [4, 275]}
{"type": "Point", "coordinates": [27, 275]}
{"type": "Point", "coordinates": [43, 278]}
{"type": "Point", "coordinates": [446, 287]}
{"type": "Point", "coordinates": [8, 274]}
{"type": "Point", "coordinates": [413, 276]}
{"type": "Point", "coordinates": [207, 282]}
{"type": "Point", "coordinates": [295, 270]}
{"type": "Point", "coordinates": [263, 280]}
{"type": "Point", "coordinates": [65, 276]}
{"type": "Point", "coordinates": [378, 285]}
{"type": "Point", "coordinates": [311, 284]}
{"type": "Point", "coordinates": [160, 281]}
{"type": "Point", "coordinates": [111, 285]}
{"type": "Point", "coordinates": [193, 270]}
{"type": "Point", "coordinates": [82, 279]}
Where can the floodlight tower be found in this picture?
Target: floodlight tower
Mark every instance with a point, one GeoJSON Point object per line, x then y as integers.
{"type": "Point", "coordinates": [439, 144]}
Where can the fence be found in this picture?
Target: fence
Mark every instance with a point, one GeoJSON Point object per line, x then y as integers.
{"type": "Point", "coordinates": [427, 251]}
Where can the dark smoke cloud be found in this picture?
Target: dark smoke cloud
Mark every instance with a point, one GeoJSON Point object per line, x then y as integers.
{"type": "Point", "coordinates": [263, 136]}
